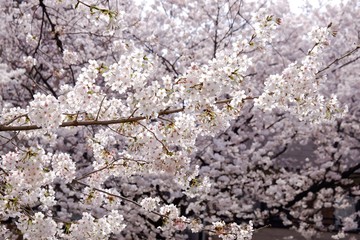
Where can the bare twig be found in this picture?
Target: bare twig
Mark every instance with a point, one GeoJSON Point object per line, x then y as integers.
{"type": "Point", "coordinates": [98, 113]}
{"type": "Point", "coordinates": [53, 26]}
{"type": "Point", "coordinates": [157, 139]}
{"type": "Point", "coordinates": [117, 196]}
{"type": "Point", "coordinates": [14, 119]}
{"type": "Point", "coordinates": [338, 59]}
{"type": "Point", "coordinates": [95, 171]}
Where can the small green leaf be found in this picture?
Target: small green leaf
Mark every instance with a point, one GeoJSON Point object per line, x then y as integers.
{"type": "Point", "coordinates": [169, 153]}
{"type": "Point", "coordinates": [328, 113]}
{"type": "Point", "coordinates": [194, 182]}
{"type": "Point", "coordinates": [47, 194]}
{"type": "Point", "coordinates": [67, 228]}
{"type": "Point", "coordinates": [269, 18]}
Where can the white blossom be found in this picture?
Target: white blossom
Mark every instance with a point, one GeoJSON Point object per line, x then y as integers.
{"type": "Point", "coordinates": [45, 111]}
{"type": "Point", "coordinates": [150, 203]}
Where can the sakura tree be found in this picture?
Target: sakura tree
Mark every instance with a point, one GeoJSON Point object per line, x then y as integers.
{"type": "Point", "coordinates": [125, 121]}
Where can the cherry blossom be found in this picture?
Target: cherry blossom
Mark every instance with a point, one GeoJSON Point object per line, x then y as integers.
{"type": "Point", "coordinates": [119, 121]}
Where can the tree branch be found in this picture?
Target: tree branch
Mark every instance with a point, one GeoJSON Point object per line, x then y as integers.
{"type": "Point", "coordinates": [76, 123]}
{"type": "Point", "coordinates": [338, 59]}
{"type": "Point", "coordinates": [53, 29]}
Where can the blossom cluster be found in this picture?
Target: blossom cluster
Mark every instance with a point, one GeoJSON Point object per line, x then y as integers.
{"type": "Point", "coordinates": [45, 111]}
{"type": "Point", "coordinates": [29, 176]}
{"type": "Point", "coordinates": [297, 89]}
{"type": "Point", "coordinates": [92, 228]}
{"type": "Point", "coordinates": [144, 112]}
{"type": "Point", "coordinates": [233, 231]}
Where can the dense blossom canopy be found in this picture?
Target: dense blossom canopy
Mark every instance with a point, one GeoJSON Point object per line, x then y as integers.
{"type": "Point", "coordinates": [120, 121]}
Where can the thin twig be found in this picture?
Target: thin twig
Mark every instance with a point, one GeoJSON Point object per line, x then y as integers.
{"type": "Point", "coordinates": [98, 113]}
{"type": "Point", "coordinates": [164, 119]}
{"type": "Point", "coordinates": [132, 114]}
{"type": "Point", "coordinates": [338, 59]}
{"type": "Point", "coordinates": [261, 228]}
{"type": "Point", "coordinates": [4, 171]}
{"type": "Point", "coordinates": [108, 193]}
{"type": "Point", "coordinates": [117, 132]}
{"type": "Point", "coordinates": [10, 140]}
{"type": "Point", "coordinates": [95, 171]}
{"type": "Point", "coordinates": [12, 120]}
{"type": "Point", "coordinates": [118, 196]}
{"type": "Point", "coordinates": [161, 142]}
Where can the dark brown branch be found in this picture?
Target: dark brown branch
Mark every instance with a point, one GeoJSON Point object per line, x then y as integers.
{"type": "Point", "coordinates": [41, 33]}
{"type": "Point", "coordinates": [52, 25]}
{"type": "Point", "coordinates": [87, 122]}
{"type": "Point", "coordinates": [76, 123]}
{"type": "Point", "coordinates": [45, 81]}
{"type": "Point", "coordinates": [323, 184]}
{"type": "Point", "coordinates": [72, 75]}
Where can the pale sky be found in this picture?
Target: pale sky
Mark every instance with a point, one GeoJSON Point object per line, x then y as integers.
{"type": "Point", "coordinates": [296, 4]}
